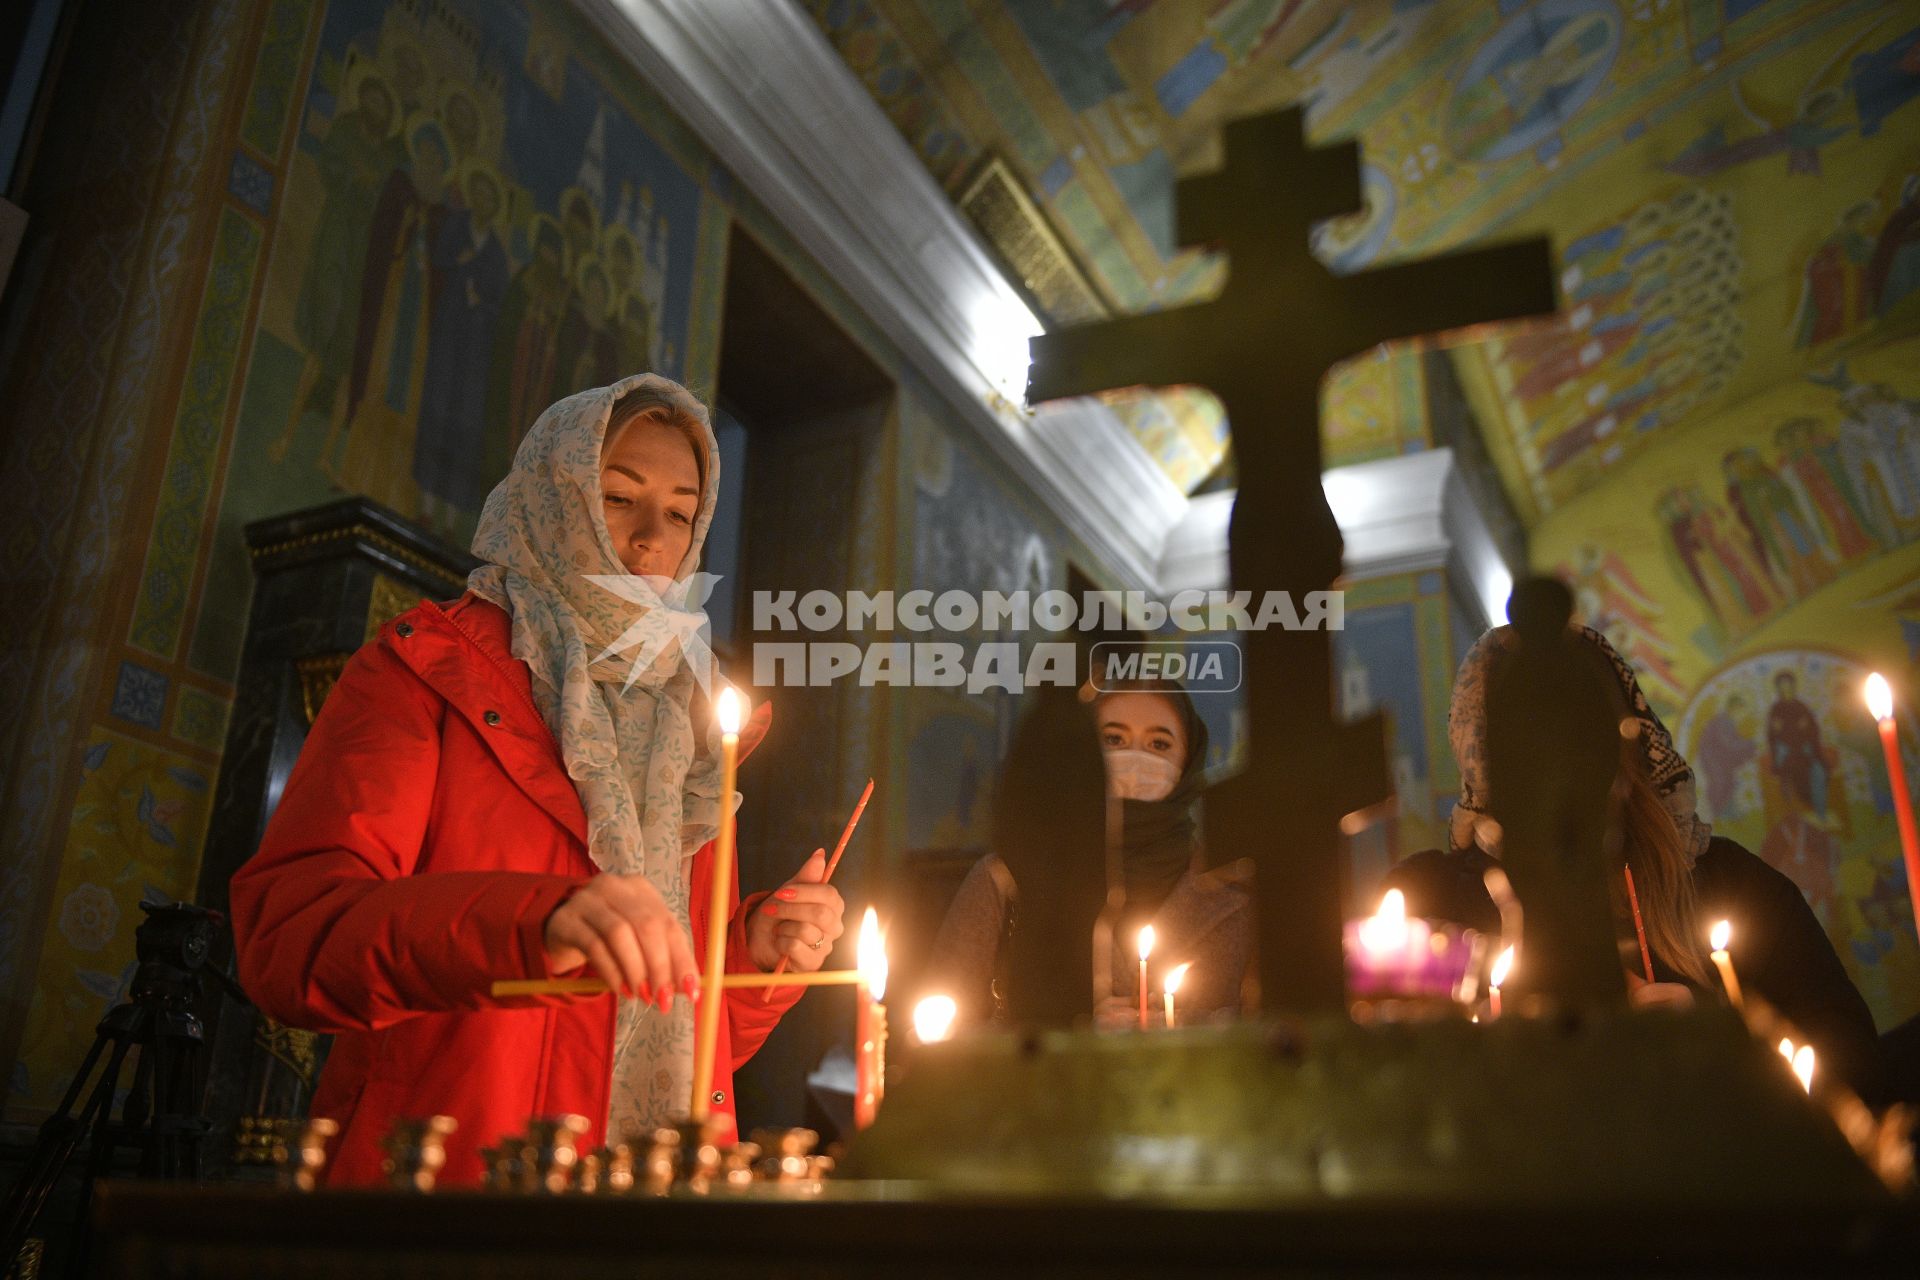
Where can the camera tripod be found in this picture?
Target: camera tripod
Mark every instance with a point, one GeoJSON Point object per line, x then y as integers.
{"type": "Point", "coordinates": [160, 1114]}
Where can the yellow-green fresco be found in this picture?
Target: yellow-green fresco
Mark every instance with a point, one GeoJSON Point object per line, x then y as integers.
{"type": "Point", "coordinates": [137, 826]}
{"type": "Point", "coordinates": [1781, 537]}
{"type": "Point", "coordinates": [1730, 182]}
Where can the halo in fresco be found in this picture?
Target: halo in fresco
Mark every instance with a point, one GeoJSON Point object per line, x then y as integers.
{"type": "Point", "coordinates": [1789, 765]}
{"type": "Point", "coordinates": [1531, 77]}
{"type": "Point", "coordinates": [1350, 243]}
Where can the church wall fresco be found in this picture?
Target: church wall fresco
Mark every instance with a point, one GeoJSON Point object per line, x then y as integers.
{"type": "Point", "coordinates": [1753, 571]}
{"type": "Point", "coordinates": [102, 309]}
{"type": "Point", "coordinates": [405, 228]}
{"type": "Point", "coordinates": [1731, 182]}
{"type": "Point", "coordinates": [1397, 653]}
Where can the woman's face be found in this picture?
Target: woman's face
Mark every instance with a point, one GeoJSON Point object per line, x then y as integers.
{"type": "Point", "coordinates": [1143, 722]}
{"type": "Point", "coordinates": [650, 493]}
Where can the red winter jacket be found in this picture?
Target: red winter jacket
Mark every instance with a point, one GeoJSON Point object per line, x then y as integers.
{"type": "Point", "coordinates": [423, 837]}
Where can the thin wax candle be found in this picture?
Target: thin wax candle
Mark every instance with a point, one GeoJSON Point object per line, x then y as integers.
{"type": "Point", "coordinates": [1145, 946]}
{"type": "Point", "coordinates": [870, 1030]}
{"type": "Point", "coordinates": [729, 711]}
{"type": "Point", "coordinates": [1880, 705]}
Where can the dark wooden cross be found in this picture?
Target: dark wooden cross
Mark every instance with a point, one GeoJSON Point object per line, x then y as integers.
{"type": "Point", "coordinates": [1263, 346]}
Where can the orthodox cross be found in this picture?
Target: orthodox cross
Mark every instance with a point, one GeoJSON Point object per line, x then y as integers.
{"type": "Point", "coordinates": [1262, 346]}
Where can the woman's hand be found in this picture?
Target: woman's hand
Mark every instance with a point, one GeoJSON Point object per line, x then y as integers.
{"type": "Point", "coordinates": [623, 928]}
{"type": "Point", "coordinates": [800, 920]}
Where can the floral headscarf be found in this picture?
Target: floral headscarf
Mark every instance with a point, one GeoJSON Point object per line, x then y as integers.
{"type": "Point", "coordinates": [1467, 732]}
{"type": "Point", "coordinates": [650, 794]}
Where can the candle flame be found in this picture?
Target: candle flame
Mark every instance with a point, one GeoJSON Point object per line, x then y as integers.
{"type": "Point", "coordinates": [1502, 966]}
{"type": "Point", "coordinates": [872, 955]}
{"type": "Point", "coordinates": [1145, 944]}
{"type": "Point", "coordinates": [1879, 697]}
{"type": "Point", "coordinates": [933, 1018]}
{"type": "Point", "coordinates": [729, 709]}
{"type": "Point", "coordinates": [1722, 934]}
{"type": "Point", "coordinates": [1171, 983]}
{"type": "Point", "coordinates": [1803, 1066]}
{"type": "Point", "coordinates": [1386, 930]}
{"type": "Point", "coordinates": [1786, 1050]}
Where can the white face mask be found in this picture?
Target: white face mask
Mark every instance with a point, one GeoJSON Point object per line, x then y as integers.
{"type": "Point", "coordinates": [1140, 775]}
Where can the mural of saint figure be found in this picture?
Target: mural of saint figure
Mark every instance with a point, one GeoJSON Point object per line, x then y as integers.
{"type": "Point", "coordinates": [1833, 294]}
{"type": "Point", "coordinates": [389, 359]}
{"type": "Point", "coordinates": [1795, 754]}
{"type": "Point", "coordinates": [632, 319]}
{"type": "Point", "coordinates": [1880, 440]}
{"type": "Point", "coordinates": [580, 225]}
{"type": "Point", "coordinates": [1774, 525]}
{"type": "Point", "coordinates": [585, 351]}
{"type": "Point", "coordinates": [461, 117]}
{"type": "Point", "coordinates": [360, 148]}
{"type": "Point", "coordinates": [523, 353]}
{"type": "Point", "coordinates": [1731, 583]}
{"type": "Point", "coordinates": [1807, 854]}
{"type": "Point", "coordinates": [1725, 747]}
{"type": "Point", "coordinates": [470, 271]}
{"type": "Point", "coordinates": [1893, 273]}
{"type": "Point", "coordinates": [1810, 466]}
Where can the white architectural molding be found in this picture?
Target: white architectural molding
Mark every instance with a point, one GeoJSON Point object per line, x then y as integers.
{"type": "Point", "coordinates": [1396, 515]}
{"type": "Point", "coordinates": [1195, 554]}
{"type": "Point", "coordinates": [761, 86]}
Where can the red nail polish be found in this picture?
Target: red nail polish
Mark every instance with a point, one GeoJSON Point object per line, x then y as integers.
{"type": "Point", "coordinates": [769, 910]}
{"type": "Point", "coordinates": [788, 894]}
{"type": "Point", "coordinates": [643, 993]}
{"type": "Point", "coordinates": [690, 986]}
{"type": "Point", "coordinates": [666, 998]}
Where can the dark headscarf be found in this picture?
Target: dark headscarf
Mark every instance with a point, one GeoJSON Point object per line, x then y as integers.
{"type": "Point", "coordinates": [1467, 731]}
{"type": "Point", "coordinates": [1158, 837]}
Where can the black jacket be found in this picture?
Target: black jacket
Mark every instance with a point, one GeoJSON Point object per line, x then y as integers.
{"type": "Point", "coordinates": [1779, 949]}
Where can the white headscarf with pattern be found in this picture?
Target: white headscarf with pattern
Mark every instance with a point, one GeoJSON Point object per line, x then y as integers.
{"type": "Point", "coordinates": [650, 792]}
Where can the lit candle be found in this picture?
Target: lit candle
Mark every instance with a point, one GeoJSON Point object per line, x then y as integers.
{"type": "Point", "coordinates": [1721, 934]}
{"type": "Point", "coordinates": [1385, 932]}
{"type": "Point", "coordinates": [1171, 983]}
{"type": "Point", "coordinates": [1145, 947]}
{"type": "Point", "coordinates": [870, 1031]}
{"type": "Point", "coordinates": [933, 1019]}
{"type": "Point", "coordinates": [729, 710]}
{"type": "Point", "coordinates": [1502, 966]}
{"type": "Point", "coordinates": [1803, 1066]}
{"type": "Point", "coordinates": [1880, 706]}
{"type": "Point", "coordinates": [1390, 955]}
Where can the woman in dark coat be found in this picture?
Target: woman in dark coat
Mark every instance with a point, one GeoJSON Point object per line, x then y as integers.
{"type": "Point", "coordinates": [1155, 746]}
{"type": "Point", "coordinates": [1685, 878]}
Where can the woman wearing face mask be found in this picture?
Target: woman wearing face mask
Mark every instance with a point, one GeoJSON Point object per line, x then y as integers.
{"type": "Point", "coordinates": [1155, 747]}
{"type": "Point", "coordinates": [498, 788]}
{"type": "Point", "coordinates": [1684, 878]}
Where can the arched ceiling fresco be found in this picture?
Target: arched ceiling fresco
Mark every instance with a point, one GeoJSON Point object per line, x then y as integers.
{"type": "Point", "coordinates": [1732, 186]}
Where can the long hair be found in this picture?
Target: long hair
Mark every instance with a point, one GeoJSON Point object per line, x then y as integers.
{"type": "Point", "coordinates": [1656, 852]}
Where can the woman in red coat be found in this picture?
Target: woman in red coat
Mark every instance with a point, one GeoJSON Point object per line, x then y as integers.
{"type": "Point", "coordinates": [512, 786]}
